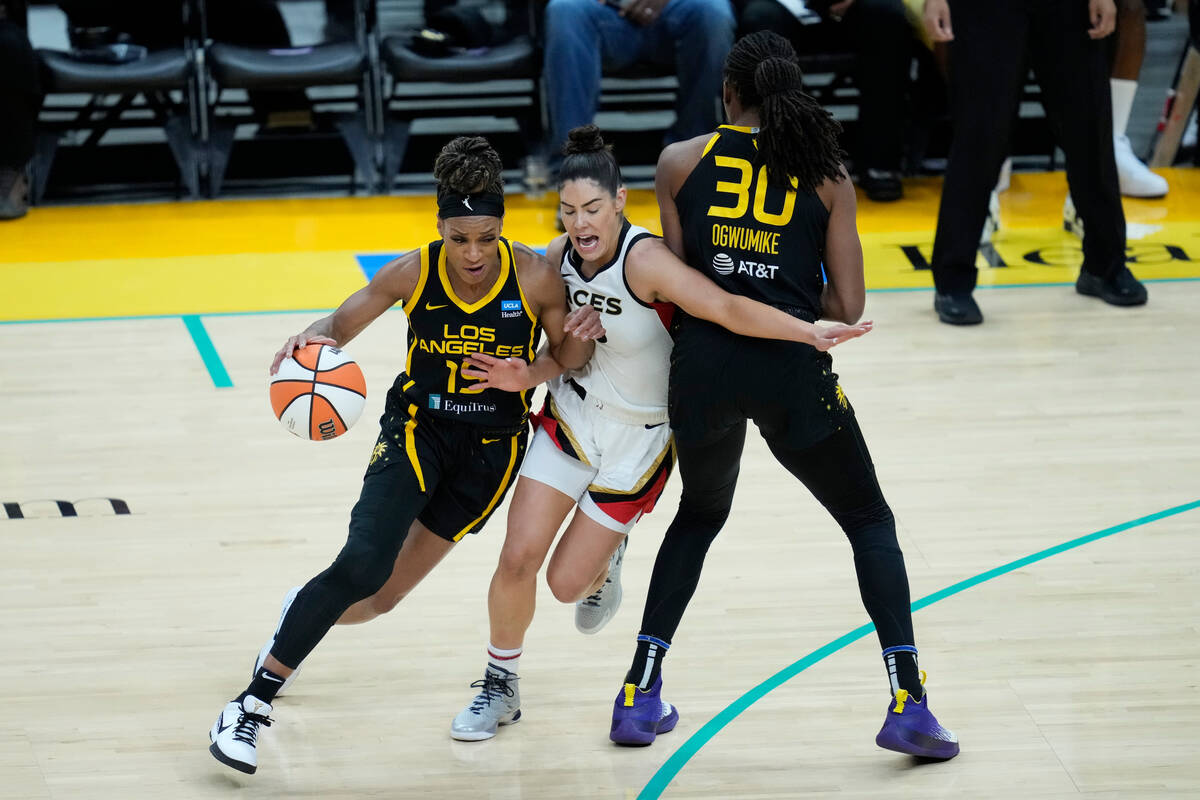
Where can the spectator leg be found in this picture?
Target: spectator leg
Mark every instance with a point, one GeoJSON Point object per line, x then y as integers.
{"type": "Point", "coordinates": [701, 33]}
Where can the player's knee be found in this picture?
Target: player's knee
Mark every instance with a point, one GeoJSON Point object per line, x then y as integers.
{"type": "Point", "coordinates": [518, 563]}
{"type": "Point", "coordinates": [361, 570]}
{"type": "Point", "coordinates": [567, 585]}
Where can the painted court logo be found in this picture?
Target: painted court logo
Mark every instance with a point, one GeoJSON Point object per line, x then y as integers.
{"type": "Point", "coordinates": [510, 308]}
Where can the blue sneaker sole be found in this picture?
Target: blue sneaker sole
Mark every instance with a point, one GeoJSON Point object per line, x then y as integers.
{"type": "Point", "coordinates": [638, 733]}
{"type": "Point", "coordinates": [917, 744]}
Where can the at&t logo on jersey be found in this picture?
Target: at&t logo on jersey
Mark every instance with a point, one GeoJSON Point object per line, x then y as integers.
{"type": "Point", "coordinates": [510, 308]}
{"type": "Point", "coordinates": [724, 265]}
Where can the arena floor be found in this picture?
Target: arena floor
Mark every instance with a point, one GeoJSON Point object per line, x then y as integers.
{"type": "Point", "coordinates": [1044, 469]}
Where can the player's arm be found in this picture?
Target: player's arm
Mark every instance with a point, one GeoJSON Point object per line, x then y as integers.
{"type": "Point", "coordinates": [393, 283]}
{"type": "Point", "coordinates": [655, 274]}
{"type": "Point", "coordinates": [571, 340]}
{"type": "Point", "coordinates": [845, 293]}
{"type": "Point", "coordinates": [674, 163]}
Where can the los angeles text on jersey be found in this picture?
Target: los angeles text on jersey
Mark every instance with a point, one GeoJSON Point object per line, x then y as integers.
{"type": "Point", "coordinates": [469, 339]}
{"type": "Point", "coordinates": [742, 238]}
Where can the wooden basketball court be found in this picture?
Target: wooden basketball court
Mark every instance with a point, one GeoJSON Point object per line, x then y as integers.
{"type": "Point", "coordinates": [1044, 469]}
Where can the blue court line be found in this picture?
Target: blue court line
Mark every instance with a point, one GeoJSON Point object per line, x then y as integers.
{"type": "Point", "coordinates": [673, 765]}
{"type": "Point", "coordinates": [208, 351]}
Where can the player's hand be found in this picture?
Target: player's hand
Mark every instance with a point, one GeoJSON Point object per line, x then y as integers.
{"type": "Point", "coordinates": [937, 20]}
{"type": "Point", "coordinates": [489, 372]}
{"type": "Point", "coordinates": [830, 335]}
{"type": "Point", "coordinates": [839, 9]}
{"type": "Point", "coordinates": [297, 342]}
{"type": "Point", "coordinates": [584, 323]}
{"type": "Point", "coordinates": [644, 12]}
{"type": "Point", "coordinates": [1103, 16]}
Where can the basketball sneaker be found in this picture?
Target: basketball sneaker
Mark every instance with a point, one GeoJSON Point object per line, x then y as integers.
{"type": "Point", "coordinates": [594, 611]}
{"type": "Point", "coordinates": [266, 648]}
{"type": "Point", "coordinates": [234, 735]}
{"type": "Point", "coordinates": [640, 716]}
{"type": "Point", "coordinates": [498, 703]}
{"type": "Point", "coordinates": [1134, 177]}
{"type": "Point", "coordinates": [910, 728]}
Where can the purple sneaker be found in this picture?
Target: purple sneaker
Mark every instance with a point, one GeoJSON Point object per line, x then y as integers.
{"type": "Point", "coordinates": [910, 728]}
{"type": "Point", "coordinates": [640, 716]}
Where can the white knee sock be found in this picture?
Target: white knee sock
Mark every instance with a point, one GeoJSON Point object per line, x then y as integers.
{"type": "Point", "coordinates": [504, 659]}
{"type": "Point", "coordinates": [1122, 103]}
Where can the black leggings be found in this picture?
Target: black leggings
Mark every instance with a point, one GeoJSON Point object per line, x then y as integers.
{"type": "Point", "coordinates": [837, 471]}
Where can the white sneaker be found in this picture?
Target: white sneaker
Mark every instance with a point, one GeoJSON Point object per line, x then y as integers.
{"type": "Point", "coordinates": [266, 648]}
{"type": "Point", "coordinates": [594, 611]}
{"type": "Point", "coordinates": [991, 224]}
{"type": "Point", "coordinates": [234, 735]}
{"type": "Point", "coordinates": [1134, 177]}
{"type": "Point", "coordinates": [1072, 222]}
{"type": "Point", "coordinates": [498, 703]}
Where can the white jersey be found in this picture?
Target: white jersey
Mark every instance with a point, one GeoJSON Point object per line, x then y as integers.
{"type": "Point", "coordinates": [628, 371]}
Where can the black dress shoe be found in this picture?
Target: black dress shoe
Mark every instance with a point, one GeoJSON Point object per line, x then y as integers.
{"type": "Point", "coordinates": [957, 309]}
{"type": "Point", "coordinates": [1121, 289]}
{"type": "Point", "coordinates": [882, 185]}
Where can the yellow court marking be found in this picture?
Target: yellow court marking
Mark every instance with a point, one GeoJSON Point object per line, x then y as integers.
{"type": "Point", "coordinates": [288, 254]}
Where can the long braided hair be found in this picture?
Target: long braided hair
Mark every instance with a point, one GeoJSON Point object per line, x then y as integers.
{"type": "Point", "coordinates": [468, 165]}
{"type": "Point", "coordinates": [797, 138]}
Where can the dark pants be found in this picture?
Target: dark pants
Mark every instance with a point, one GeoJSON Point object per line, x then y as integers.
{"type": "Point", "coordinates": [995, 43]}
{"type": "Point", "coordinates": [19, 96]}
{"type": "Point", "coordinates": [839, 474]}
{"type": "Point", "coordinates": [879, 35]}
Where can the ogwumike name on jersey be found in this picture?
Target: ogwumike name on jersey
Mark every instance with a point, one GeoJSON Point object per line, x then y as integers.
{"type": "Point", "coordinates": [468, 339]}
{"type": "Point", "coordinates": [743, 238]}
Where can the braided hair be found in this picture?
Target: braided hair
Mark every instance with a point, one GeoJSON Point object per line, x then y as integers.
{"type": "Point", "coordinates": [797, 138]}
{"type": "Point", "coordinates": [587, 157]}
{"type": "Point", "coordinates": [468, 165]}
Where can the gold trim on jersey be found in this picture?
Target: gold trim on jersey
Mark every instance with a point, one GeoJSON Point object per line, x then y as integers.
{"type": "Point", "coordinates": [711, 142]}
{"type": "Point", "coordinates": [646, 476]}
{"type": "Point", "coordinates": [501, 279]}
{"type": "Point", "coordinates": [566, 429]}
{"type": "Point", "coordinates": [410, 445]}
{"type": "Point", "coordinates": [508, 473]}
{"type": "Point", "coordinates": [416, 295]}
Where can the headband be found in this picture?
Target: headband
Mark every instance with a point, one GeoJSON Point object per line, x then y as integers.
{"type": "Point", "coordinates": [481, 204]}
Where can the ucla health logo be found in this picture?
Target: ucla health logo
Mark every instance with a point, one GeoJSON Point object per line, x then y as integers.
{"type": "Point", "coordinates": [510, 308]}
{"type": "Point", "coordinates": [723, 264]}
{"type": "Point", "coordinates": [435, 401]}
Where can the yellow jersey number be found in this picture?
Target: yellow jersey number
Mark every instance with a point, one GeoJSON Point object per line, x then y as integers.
{"type": "Point", "coordinates": [741, 188]}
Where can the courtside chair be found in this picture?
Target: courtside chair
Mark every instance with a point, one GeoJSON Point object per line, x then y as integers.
{"type": "Point", "coordinates": [469, 93]}
{"type": "Point", "coordinates": [345, 101]}
{"type": "Point", "coordinates": [92, 99]}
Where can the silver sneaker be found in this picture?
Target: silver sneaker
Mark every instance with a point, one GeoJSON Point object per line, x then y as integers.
{"type": "Point", "coordinates": [266, 648]}
{"type": "Point", "coordinates": [498, 703]}
{"type": "Point", "coordinates": [594, 611]}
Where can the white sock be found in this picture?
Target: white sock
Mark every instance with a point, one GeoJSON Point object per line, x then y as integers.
{"type": "Point", "coordinates": [508, 660]}
{"type": "Point", "coordinates": [1122, 103]}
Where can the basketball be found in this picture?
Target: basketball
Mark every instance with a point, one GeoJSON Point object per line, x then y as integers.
{"type": "Point", "coordinates": [318, 393]}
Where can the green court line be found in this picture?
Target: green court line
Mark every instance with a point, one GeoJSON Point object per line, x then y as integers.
{"type": "Point", "coordinates": [673, 765]}
{"type": "Point", "coordinates": [327, 310]}
{"type": "Point", "coordinates": [208, 351]}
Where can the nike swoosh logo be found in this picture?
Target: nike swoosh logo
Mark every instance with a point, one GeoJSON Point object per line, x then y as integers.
{"type": "Point", "coordinates": [655, 425]}
{"type": "Point", "coordinates": [270, 677]}
{"type": "Point", "coordinates": [489, 441]}
{"type": "Point", "coordinates": [222, 728]}
{"type": "Point", "coordinates": [429, 307]}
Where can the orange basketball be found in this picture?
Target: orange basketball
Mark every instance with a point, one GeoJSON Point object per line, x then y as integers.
{"type": "Point", "coordinates": [318, 393]}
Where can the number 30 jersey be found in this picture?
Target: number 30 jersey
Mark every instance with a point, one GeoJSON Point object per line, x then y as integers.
{"type": "Point", "coordinates": [443, 330]}
{"type": "Point", "coordinates": [751, 237]}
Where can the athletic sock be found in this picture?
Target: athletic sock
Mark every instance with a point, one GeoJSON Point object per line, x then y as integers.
{"type": "Point", "coordinates": [647, 661]}
{"type": "Point", "coordinates": [902, 670]}
{"type": "Point", "coordinates": [507, 660]}
{"type": "Point", "coordinates": [265, 685]}
{"type": "Point", "coordinates": [1123, 92]}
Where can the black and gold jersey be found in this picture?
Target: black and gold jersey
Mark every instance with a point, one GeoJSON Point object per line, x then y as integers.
{"type": "Point", "coordinates": [751, 237]}
{"type": "Point", "coordinates": [442, 330]}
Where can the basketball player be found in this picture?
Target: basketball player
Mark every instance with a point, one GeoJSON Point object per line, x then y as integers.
{"type": "Point", "coordinates": [602, 445]}
{"type": "Point", "coordinates": [770, 188]}
{"type": "Point", "coordinates": [447, 452]}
